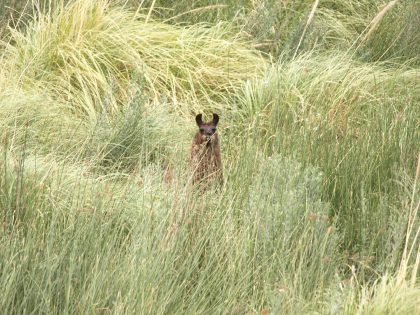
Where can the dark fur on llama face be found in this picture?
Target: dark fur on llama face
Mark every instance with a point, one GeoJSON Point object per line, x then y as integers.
{"type": "Point", "coordinates": [205, 156]}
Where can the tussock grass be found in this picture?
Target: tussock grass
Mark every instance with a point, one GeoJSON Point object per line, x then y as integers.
{"type": "Point", "coordinates": [357, 122]}
{"type": "Point", "coordinates": [86, 49]}
{"type": "Point", "coordinates": [396, 37]}
{"type": "Point", "coordinates": [88, 62]}
{"type": "Point", "coordinates": [319, 211]}
{"type": "Point", "coordinates": [167, 252]}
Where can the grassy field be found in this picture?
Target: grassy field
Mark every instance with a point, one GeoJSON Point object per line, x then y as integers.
{"type": "Point", "coordinates": [319, 104]}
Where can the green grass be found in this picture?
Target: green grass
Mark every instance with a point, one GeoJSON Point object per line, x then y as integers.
{"type": "Point", "coordinates": [357, 122]}
{"type": "Point", "coordinates": [319, 128]}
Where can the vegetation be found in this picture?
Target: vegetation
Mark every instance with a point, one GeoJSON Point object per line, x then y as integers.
{"type": "Point", "coordinates": [319, 104]}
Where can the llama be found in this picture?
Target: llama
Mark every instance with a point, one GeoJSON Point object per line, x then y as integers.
{"type": "Point", "coordinates": [205, 156]}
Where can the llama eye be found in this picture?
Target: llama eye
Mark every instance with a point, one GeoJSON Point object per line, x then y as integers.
{"type": "Point", "coordinates": [213, 130]}
{"type": "Point", "coordinates": [202, 130]}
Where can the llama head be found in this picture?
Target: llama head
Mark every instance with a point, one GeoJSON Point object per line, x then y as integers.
{"type": "Point", "coordinates": [207, 130]}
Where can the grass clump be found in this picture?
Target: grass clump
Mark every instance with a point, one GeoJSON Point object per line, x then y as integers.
{"type": "Point", "coordinates": [136, 137]}
{"type": "Point", "coordinates": [77, 68]}
{"type": "Point", "coordinates": [83, 50]}
{"type": "Point", "coordinates": [396, 37]}
{"type": "Point", "coordinates": [336, 114]}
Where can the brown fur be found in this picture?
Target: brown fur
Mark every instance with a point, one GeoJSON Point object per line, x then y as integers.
{"type": "Point", "coordinates": [205, 159]}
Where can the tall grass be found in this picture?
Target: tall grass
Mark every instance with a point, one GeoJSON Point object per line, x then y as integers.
{"type": "Point", "coordinates": [91, 48]}
{"type": "Point", "coordinates": [90, 60]}
{"type": "Point", "coordinates": [277, 26]}
{"type": "Point", "coordinates": [319, 210]}
{"type": "Point", "coordinates": [140, 248]}
{"type": "Point", "coordinates": [396, 35]}
{"type": "Point", "coordinates": [357, 122]}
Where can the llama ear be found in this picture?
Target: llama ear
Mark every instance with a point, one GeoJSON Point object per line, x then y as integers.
{"type": "Point", "coordinates": [199, 119]}
{"type": "Point", "coordinates": [215, 119]}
